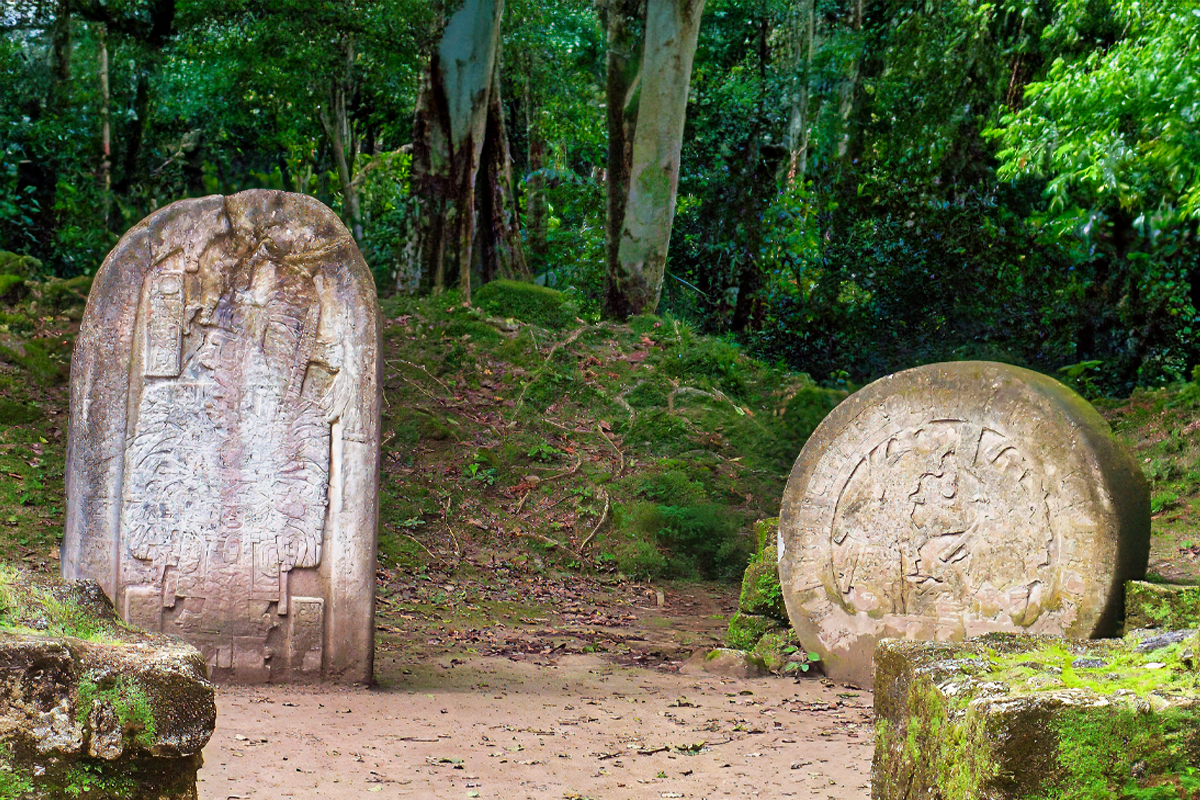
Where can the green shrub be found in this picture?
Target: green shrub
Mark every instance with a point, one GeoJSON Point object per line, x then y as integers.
{"type": "Point", "coordinates": [12, 288]}
{"type": "Point", "coordinates": [746, 629]}
{"type": "Point", "coordinates": [536, 305]}
{"type": "Point", "coordinates": [19, 265]}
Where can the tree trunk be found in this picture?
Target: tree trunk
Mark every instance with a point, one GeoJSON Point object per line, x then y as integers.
{"type": "Point", "coordinates": [63, 42]}
{"type": "Point", "coordinates": [337, 128]}
{"type": "Point", "coordinates": [672, 27]}
{"type": "Point", "coordinates": [798, 125]}
{"type": "Point", "coordinates": [501, 254]}
{"type": "Point", "coordinates": [448, 139]}
{"type": "Point", "coordinates": [849, 86]}
{"type": "Point", "coordinates": [105, 171]}
{"type": "Point", "coordinates": [535, 192]}
{"type": "Point", "coordinates": [623, 72]}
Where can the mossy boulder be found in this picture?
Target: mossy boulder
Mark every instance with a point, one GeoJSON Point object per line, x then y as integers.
{"type": "Point", "coordinates": [90, 708]}
{"type": "Point", "coordinates": [1022, 716]}
{"type": "Point", "coordinates": [746, 629]}
{"type": "Point", "coordinates": [536, 305]}
{"type": "Point", "coordinates": [1161, 605]}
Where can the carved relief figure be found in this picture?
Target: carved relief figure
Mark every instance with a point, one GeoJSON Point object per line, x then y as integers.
{"type": "Point", "coordinates": [939, 517]}
{"type": "Point", "coordinates": [226, 484]}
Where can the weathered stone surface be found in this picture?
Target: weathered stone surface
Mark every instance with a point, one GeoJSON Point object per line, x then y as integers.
{"type": "Point", "coordinates": [1161, 605]}
{"type": "Point", "coordinates": [91, 708]}
{"type": "Point", "coordinates": [725, 663]}
{"type": "Point", "coordinates": [954, 499]}
{"type": "Point", "coordinates": [1016, 716]}
{"type": "Point", "coordinates": [222, 475]}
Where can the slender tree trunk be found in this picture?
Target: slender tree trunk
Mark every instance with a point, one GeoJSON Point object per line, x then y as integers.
{"type": "Point", "coordinates": [448, 139]}
{"type": "Point", "coordinates": [849, 85]}
{"type": "Point", "coordinates": [623, 72]}
{"type": "Point", "coordinates": [64, 44]}
{"type": "Point", "coordinates": [798, 125]}
{"type": "Point", "coordinates": [535, 192]}
{"type": "Point", "coordinates": [672, 27]}
{"type": "Point", "coordinates": [337, 128]}
{"type": "Point", "coordinates": [501, 253]}
{"type": "Point", "coordinates": [105, 172]}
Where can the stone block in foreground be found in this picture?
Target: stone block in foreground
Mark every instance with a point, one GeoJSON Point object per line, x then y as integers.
{"type": "Point", "coordinates": [1169, 606]}
{"type": "Point", "coordinates": [951, 500]}
{"type": "Point", "coordinates": [223, 464]}
{"type": "Point", "coordinates": [1015, 716]}
{"type": "Point", "coordinates": [106, 713]}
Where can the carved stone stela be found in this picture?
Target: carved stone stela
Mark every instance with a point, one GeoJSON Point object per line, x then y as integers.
{"type": "Point", "coordinates": [956, 499]}
{"type": "Point", "coordinates": [226, 492]}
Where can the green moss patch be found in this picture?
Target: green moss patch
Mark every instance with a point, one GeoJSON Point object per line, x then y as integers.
{"type": "Point", "coordinates": [1158, 605]}
{"type": "Point", "coordinates": [536, 305]}
{"type": "Point", "coordinates": [1018, 716]}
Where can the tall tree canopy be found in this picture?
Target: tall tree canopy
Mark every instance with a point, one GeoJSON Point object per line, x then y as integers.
{"type": "Point", "coordinates": [851, 186]}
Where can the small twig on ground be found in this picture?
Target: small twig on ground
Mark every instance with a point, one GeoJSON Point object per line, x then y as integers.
{"type": "Point", "coordinates": [568, 473]}
{"type": "Point", "coordinates": [596, 529]}
{"type": "Point", "coordinates": [417, 541]}
{"type": "Point", "coordinates": [536, 349]}
{"type": "Point", "coordinates": [617, 450]}
{"type": "Point", "coordinates": [546, 540]}
{"type": "Point", "coordinates": [521, 504]}
{"type": "Point", "coordinates": [569, 340]}
{"type": "Point", "coordinates": [423, 369]}
{"type": "Point", "coordinates": [620, 400]}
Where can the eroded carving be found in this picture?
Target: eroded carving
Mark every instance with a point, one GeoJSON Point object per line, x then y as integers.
{"type": "Point", "coordinates": [252, 414]}
{"type": "Point", "coordinates": [938, 519]}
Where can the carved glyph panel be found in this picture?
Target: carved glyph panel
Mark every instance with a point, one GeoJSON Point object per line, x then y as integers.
{"type": "Point", "coordinates": [952, 500]}
{"type": "Point", "coordinates": [240, 503]}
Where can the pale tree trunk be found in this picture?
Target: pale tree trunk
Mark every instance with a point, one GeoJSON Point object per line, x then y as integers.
{"type": "Point", "coordinates": [448, 138]}
{"type": "Point", "coordinates": [535, 191]}
{"type": "Point", "coordinates": [336, 123]}
{"type": "Point", "coordinates": [798, 125]}
{"type": "Point", "coordinates": [105, 120]}
{"type": "Point", "coordinates": [501, 254]}
{"type": "Point", "coordinates": [849, 85]}
{"type": "Point", "coordinates": [672, 27]}
{"type": "Point", "coordinates": [623, 72]}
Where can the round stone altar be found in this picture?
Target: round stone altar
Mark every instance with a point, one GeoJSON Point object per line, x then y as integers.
{"type": "Point", "coordinates": [955, 499]}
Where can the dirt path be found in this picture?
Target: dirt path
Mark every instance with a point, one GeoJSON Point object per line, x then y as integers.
{"type": "Point", "coordinates": [548, 720]}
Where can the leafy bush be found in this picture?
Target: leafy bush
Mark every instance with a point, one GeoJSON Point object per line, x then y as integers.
{"type": "Point", "coordinates": [12, 288]}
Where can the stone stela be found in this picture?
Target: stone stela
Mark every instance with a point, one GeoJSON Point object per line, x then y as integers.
{"type": "Point", "coordinates": [222, 475]}
{"type": "Point", "coordinates": [955, 499]}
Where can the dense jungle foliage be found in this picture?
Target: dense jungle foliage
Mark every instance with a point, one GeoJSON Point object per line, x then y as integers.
{"type": "Point", "coordinates": [866, 185]}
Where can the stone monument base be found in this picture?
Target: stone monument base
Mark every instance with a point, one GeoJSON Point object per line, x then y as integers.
{"type": "Point", "coordinates": [1016, 716]}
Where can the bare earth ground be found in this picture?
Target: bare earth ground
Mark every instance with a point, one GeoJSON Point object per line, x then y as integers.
{"type": "Point", "coordinates": [585, 705]}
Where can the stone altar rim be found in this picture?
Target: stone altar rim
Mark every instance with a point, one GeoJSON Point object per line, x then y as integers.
{"type": "Point", "coordinates": [954, 499]}
{"type": "Point", "coordinates": [222, 477]}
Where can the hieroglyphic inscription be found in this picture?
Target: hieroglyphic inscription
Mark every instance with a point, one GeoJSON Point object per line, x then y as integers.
{"type": "Point", "coordinates": [227, 467]}
{"type": "Point", "coordinates": [938, 517]}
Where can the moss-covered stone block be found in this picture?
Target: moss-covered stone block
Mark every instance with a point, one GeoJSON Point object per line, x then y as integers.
{"type": "Point", "coordinates": [746, 629]}
{"type": "Point", "coordinates": [761, 594]}
{"type": "Point", "coordinates": [91, 708]}
{"type": "Point", "coordinates": [1022, 716]}
{"type": "Point", "coordinates": [1161, 605]}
